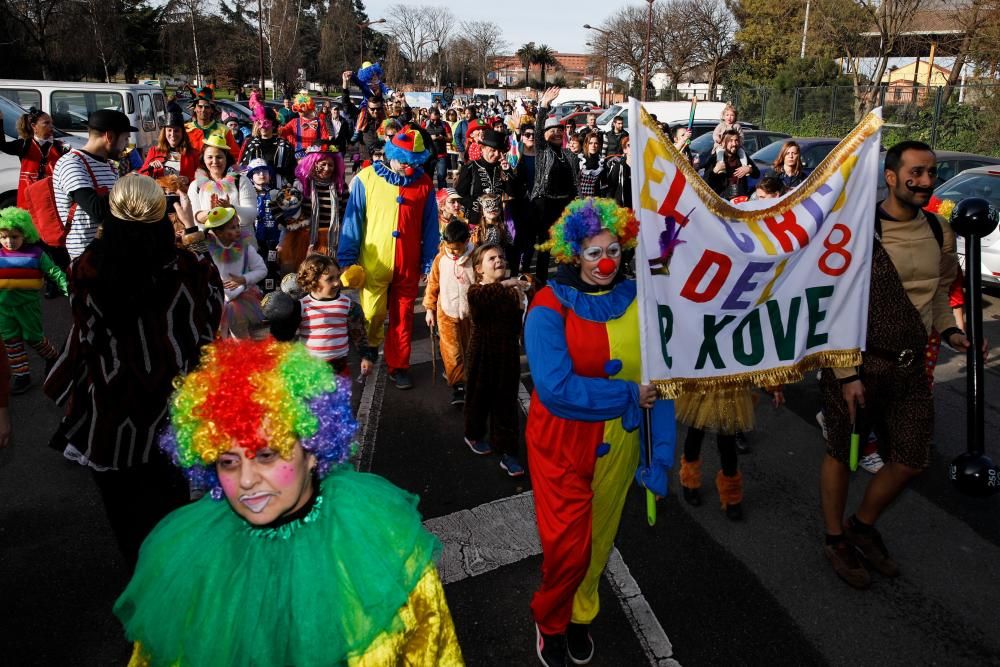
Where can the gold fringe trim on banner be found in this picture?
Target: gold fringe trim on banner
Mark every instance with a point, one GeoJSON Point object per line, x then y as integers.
{"type": "Point", "coordinates": [868, 126]}
{"type": "Point", "coordinates": [772, 377]}
{"type": "Point", "coordinates": [724, 411]}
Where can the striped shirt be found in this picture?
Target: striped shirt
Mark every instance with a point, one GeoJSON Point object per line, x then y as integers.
{"type": "Point", "coordinates": [69, 176]}
{"type": "Point", "coordinates": [324, 326]}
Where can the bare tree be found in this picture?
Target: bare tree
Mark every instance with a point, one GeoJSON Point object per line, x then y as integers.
{"type": "Point", "coordinates": [714, 28]}
{"type": "Point", "coordinates": [486, 39]}
{"type": "Point", "coordinates": [888, 20]}
{"type": "Point", "coordinates": [439, 23]}
{"type": "Point", "coordinates": [408, 28]}
{"type": "Point", "coordinates": [978, 40]}
{"type": "Point", "coordinates": [626, 41]}
{"type": "Point", "coordinates": [675, 45]}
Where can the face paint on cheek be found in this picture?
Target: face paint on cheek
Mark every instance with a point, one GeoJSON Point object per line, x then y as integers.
{"type": "Point", "coordinates": [286, 475]}
{"type": "Point", "coordinates": [228, 484]}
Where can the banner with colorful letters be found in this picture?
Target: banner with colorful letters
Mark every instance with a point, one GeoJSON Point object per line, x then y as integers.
{"type": "Point", "coordinates": [755, 293]}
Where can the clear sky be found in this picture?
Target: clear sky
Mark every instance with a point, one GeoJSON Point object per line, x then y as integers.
{"type": "Point", "coordinates": [558, 24]}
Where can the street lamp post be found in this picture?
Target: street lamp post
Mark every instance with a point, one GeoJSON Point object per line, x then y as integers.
{"type": "Point", "coordinates": [645, 64]}
{"type": "Point", "coordinates": [607, 39]}
{"type": "Point", "coordinates": [361, 29]}
{"type": "Point", "coordinates": [260, 51]}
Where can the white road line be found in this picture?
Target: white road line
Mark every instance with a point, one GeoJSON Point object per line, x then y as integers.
{"type": "Point", "coordinates": [655, 643]}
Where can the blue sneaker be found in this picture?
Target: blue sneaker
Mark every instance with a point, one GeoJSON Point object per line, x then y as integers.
{"type": "Point", "coordinates": [480, 447]}
{"type": "Point", "coordinates": [511, 465]}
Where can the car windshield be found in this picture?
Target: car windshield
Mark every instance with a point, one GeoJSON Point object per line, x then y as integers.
{"type": "Point", "coordinates": [609, 114]}
{"type": "Point", "coordinates": [986, 186]}
{"type": "Point", "coordinates": [768, 154]}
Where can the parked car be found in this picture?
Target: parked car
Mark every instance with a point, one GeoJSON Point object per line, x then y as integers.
{"type": "Point", "coordinates": [580, 117]}
{"type": "Point", "coordinates": [812, 150]}
{"type": "Point", "coordinates": [753, 141]}
{"type": "Point", "coordinates": [71, 102]}
{"type": "Point", "coordinates": [242, 112]}
{"type": "Point", "coordinates": [667, 113]}
{"type": "Point", "coordinates": [978, 182]}
{"type": "Point", "coordinates": [563, 109]}
{"type": "Point", "coordinates": [10, 165]}
{"type": "Point", "coordinates": [949, 165]}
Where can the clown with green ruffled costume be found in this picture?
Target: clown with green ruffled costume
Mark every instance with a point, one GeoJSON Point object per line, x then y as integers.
{"type": "Point", "coordinates": [306, 562]}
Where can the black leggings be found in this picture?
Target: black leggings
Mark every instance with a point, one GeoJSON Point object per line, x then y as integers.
{"type": "Point", "coordinates": [727, 449]}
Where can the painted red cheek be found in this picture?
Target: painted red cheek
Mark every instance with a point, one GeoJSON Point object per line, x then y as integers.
{"type": "Point", "coordinates": [607, 266]}
{"type": "Point", "coordinates": [228, 484]}
{"type": "Point", "coordinates": [286, 474]}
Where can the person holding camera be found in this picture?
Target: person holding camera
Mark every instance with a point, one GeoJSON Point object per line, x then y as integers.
{"type": "Point", "coordinates": [440, 134]}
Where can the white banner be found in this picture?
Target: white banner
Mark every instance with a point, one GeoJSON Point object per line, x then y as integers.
{"type": "Point", "coordinates": [755, 293]}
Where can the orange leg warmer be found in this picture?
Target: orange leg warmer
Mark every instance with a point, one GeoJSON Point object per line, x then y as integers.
{"type": "Point", "coordinates": [691, 473]}
{"type": "Point", "coordinates": [730, 488]}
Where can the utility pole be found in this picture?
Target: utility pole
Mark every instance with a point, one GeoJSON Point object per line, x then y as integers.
{"type": "Point", "coordinates": [645, 64]}
{"type": "Point", "coordinates": [260, 46]}
{"type": "Point", "coordinates": [607, 40]}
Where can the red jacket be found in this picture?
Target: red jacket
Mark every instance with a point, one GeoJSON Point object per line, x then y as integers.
{"type": "Point", "coordinates": [189, 163]}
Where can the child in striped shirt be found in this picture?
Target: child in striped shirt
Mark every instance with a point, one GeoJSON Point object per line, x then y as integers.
{"type": "Point", "coordinates": [329, 319]}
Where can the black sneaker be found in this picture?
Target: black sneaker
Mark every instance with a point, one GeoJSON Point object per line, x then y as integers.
{"type": "Point", "coordinates": [458, 394]}
{"type": "Point", "coordinates": [551, 649]}
{"type": "Point", "coordinates": [692, 496]}
{"type": "Point", "coordinates": [20, 384]}
{"type": "Point", "coordinates": [402, 379]}
{"type": "Point", "coordinates": [579, 644]}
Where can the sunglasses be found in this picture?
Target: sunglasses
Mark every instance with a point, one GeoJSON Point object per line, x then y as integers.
{"type": "Point", "coordinates": [594, 252]}
{"type": "Point", "coordinates": [528, 135]}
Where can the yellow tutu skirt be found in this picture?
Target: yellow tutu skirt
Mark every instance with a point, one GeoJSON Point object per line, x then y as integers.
{"type": "Point", "coordinates": [721, 411]}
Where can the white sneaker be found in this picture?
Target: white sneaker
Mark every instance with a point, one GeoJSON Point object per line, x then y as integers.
{"type": "Point", "coordinates": [871, 462]}
{"type": "Point", "coordinates": [821, 420]}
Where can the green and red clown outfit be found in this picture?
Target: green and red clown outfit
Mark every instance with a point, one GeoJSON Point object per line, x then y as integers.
{"type": "Point", "coordinates": [583, 432]}
{"type": "Point", "coordinates": [391, 229]}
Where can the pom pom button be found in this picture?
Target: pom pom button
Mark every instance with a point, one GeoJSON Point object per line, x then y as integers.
{"type": "Point", "coordinates": [395, 234]}
{"type": "Point", "coordinates": [400, 199]}
{"type": "Point", "coordinates": [612, 367]}
{"type": "Point", "coordinates": [603, 449]}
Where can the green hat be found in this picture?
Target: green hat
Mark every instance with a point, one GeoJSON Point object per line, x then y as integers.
{"type": "Point", "coordinates": [219, 216]}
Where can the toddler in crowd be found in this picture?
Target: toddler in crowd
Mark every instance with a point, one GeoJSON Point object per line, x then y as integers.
{"type": "Point", "coordinates": [493, 358]}
{"type": "Point", "coordinates": [447, 303]}
{"type": "Point", "coordinates": [266, 229]}
{"type": "Point", "coordinates": [327, 319]}
{"type": "Point", "coordinates": [729, 122]}
{"type": "Point", "coordinates": [240, 268]}
{"type": "Point", "coordinates": [23, 267]}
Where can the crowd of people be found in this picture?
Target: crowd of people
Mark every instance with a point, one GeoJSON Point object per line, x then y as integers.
{"type": "Point", "coordinates": [216, 291]}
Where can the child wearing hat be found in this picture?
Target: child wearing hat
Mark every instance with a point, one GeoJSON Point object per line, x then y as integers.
{"type": "Point", "coordinates": [23, 265]}
{"type": "Point", "coordinates": [240, 267]}
{"type": "Point", "coordinates": [268, 229]}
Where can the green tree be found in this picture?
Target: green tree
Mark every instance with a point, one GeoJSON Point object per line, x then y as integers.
{"type": "Point", "coordinates": [545, 57]}
{"type": "Point", "coordinates": [526, 55]}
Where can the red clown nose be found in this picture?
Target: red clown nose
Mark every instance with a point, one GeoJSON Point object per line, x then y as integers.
{"type": "Point", "coordinates": [408, 171]}
{"type": "Point", "coordinates": [607, 266]}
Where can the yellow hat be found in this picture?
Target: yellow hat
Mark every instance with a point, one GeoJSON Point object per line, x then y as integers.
{"type": "Point", "coordinates": [216, 141]}
{"type": "Point", "coordinates": [219, 216]}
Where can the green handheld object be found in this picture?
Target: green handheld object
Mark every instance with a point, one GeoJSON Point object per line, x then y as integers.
{"type": "Point", "coordinates": [647, 415]}
{"type": "Point", "coordinates": [855, 446]}
{"type": "Point", "coordinates": [650, 508]}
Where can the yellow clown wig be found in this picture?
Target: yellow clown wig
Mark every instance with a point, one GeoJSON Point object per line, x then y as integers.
{"type": "Point", "coordinates": [256, 395]}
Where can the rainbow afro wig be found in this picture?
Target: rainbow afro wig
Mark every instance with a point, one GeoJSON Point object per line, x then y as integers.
{"type": "Point", "coordinates": [588, 217]}
{"type": "Point", "coordinates": [257, 394]}
{"type": "Point", "coordinates": [303, 103]}
{"type": "Point", "coordinates": [17, 219]}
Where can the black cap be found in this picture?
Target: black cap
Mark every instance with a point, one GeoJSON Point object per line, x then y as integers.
{"type": "Point", "coordinates": [493, 139]}
{"type": "Point", "coordinates": [109, 120]}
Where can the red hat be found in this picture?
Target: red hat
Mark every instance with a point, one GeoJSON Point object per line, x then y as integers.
{"type": "Point", "coordinates": [473, 126]}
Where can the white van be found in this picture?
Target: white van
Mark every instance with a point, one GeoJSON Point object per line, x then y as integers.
{"type": "Point", "coordinates": [665, 112]}
{"type": "Point", "coordinates": [71, 102]}
{"type": "Point", "coordinates": [10, 165]}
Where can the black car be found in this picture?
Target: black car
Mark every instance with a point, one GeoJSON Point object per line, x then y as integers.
{"type": "Point", "coordinates": [753, 141]}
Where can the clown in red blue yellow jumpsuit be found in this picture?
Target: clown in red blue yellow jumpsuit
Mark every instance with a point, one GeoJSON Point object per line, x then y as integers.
{"type": "Point", "coordinates": [391, 229]}
{"type": "Point", "coordinates": [583, 437]}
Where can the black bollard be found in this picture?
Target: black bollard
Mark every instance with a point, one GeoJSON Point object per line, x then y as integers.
{"type": "Point", "coordinates": [973, 472]}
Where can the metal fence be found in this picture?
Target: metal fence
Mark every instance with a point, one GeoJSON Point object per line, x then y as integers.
{"type": "Point", "coordinates": [969, 120]}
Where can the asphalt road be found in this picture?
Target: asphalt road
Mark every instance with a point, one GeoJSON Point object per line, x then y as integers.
{"type": "Point", "coordinates": [695, 589]}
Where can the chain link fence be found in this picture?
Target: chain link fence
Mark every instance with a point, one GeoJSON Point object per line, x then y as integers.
{"type": "Point", "coordinates": [968, 120]}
